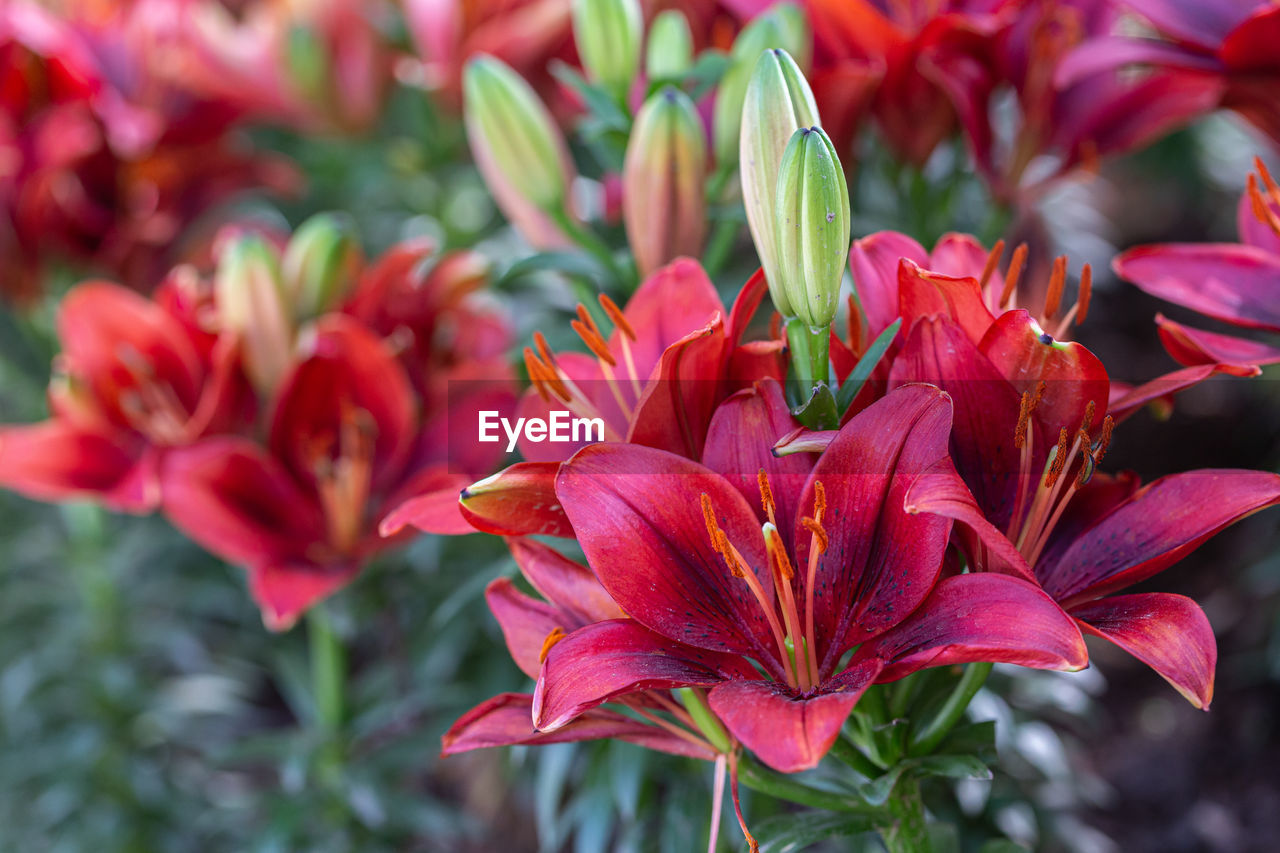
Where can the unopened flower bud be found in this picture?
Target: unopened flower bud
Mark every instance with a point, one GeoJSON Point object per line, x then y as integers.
{"type": "Point", "coordinates": [812, 227]}
{"type": "Point", "coordinates": [515, 142]}
{"type": "Point", "coordinates": [670, 50]}
{"type": "Point", "coordinates": [608, 35]}
{"type": "Point", "coordinates": [252, 305]}
{"type": "Point", "coordinates": [783, 26]}
{"type": "Point", "coordinates": [320, 265]}
{"type": "Point", "coordinates": [778, 103]}
{"type": "Point", "coordinates": [663, 200]}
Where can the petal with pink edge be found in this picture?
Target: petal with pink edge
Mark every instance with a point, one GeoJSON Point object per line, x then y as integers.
{"type": "Point", "coordinates": [525, 622]}
{"type": "Point", "coordinates": [1226, 281]}
{"type": "Point", "coordinates": [874, 261]}
{"type": "Point", "coordinates": [1194, 346]}
{"type": "Point", "coordinates": [519, 500]}
{"type": "Point", "coordinates": [53, 461]}
{"type": "Point", "coordinates": [1169, 633]}
{"type": "Point", "coordinates": [505, 720]}
{"type": "Point", "coordinates": [568, 585]}
{"type": "Point", "coordinates": [284, 591]}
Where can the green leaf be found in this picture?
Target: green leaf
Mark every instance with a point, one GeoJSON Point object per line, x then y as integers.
{"type": "Point", "coordinates": [866, 365]}
{"type": "Point", "coordinates": [1001, 845]}
{"type": "Point", "coordinates": [819, 412]}
{"type": "Point", "coordinates": [569, 263]}
{"type": "Point", "coordinates": [794, 832]}
{"type": "Point", "coordinates": [599, 103]}
{"type": "Point", "coordinates": [978, 739]}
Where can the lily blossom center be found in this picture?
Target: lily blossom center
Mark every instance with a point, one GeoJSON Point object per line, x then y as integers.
{"type": "Point", "coordinates": [623, 380]}
{"type": "Point", "coordinates": [1070, 465]}
{"type": "Point", "coordinates": [342, 464]}
{"type": "Point", "coordinates": [1006, 297]}
{"type": "Point", "coordinates": [151, 406]}
{"type": "Point", "coordinates": [795, 639]}
{"type": "Point", "coordinates": [1264, 200]}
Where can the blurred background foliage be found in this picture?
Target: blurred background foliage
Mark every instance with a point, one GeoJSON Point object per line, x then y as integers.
{"type": "Point", "coordinates": [144, 707]}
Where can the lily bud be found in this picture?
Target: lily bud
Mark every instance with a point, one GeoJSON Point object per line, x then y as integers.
{"type": "Point", "coordinates": [670, 50]}
{"type": "Point", "coordinates": [812, 227]}
{"type": "Point", "coordinates": [783, 26]}
{"type": "Point", "coordinates": [778, 103]}
{"type": "Point", "coordinates": [608, 34]}
{"type": "Point", "coordinates": [515, 141]}
{"type": "Point", "coordinates": [663, 201]}
{"type": "Point", "coordinates": [320, 265]}
{"type": "Point", "coordinates": [251, 304]}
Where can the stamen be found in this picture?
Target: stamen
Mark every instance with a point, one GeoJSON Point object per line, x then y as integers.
{"type": "Point", "coordinates": [777, 550]}
{"type": "Point", "coordinates": [993, 258]}
{"type": "Point", "coordinates": [544, 351]}
{"type": "Point", "coordinates": [532, 366]}
{"type": "Point", "coordinates": [1266, 176]}
{"type": "Point", "coordinates": [1087, 424]}
{"type": "Point", "coordinates": [1261, 206]}
{"type": "Point", "coordinates": [1059, 460]}
{"type": "Point", "coordinates": [1024, 416]}
{"type": "Point", "coordinates": [1086, 290]}
{"type": "Point", "coordinates": [819, 533]}
{"type": "Point", "coordinates": [819, 501]}
{"type": "Point", "coordinates": [556, 635]}
{"type": "Point", "coordinates": [616, 316]}
{"type": "Point", "coordinates": [1015, 272]}
{"type": "Point", "coordinates": [766, 496]}
{"type": "Point", "coordinates": [594, 342]}
{"type": "Point", "coordinates": [1104, 442]}
{"type": "Point", "coordinates": [1057, 281]}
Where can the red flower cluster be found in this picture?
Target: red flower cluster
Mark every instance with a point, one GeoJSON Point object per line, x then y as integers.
{"type": "Point", "coordinates": [102, 160]}
{"type": "Point", "coordinates": [157, 404]}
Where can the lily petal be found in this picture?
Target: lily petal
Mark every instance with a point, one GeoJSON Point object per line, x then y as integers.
{"type": "Point", "coordinates": [1194, 346]}
{"type": "Point", "coordinates": [53, 461]}
{"type": "Point", "coordinates": [505, 720]}
{"type": "Point", "coordinates": [982, 617]}
{"type": "Point", "coordinates": [1169, 633]}
{"type": "Point", "coordinates": [874, 261]}
{"type": "Point", "coordinates": [434, 509]}
{"type": "Point", "coordinates": [1159, 525]}
{"type": "Point", "coordinates": [286, 590]}
{"type": "Point", "coordinates": [525, 622]}
{"type": "Point", "coordinates": [519, 500]}
{"type": "Point", "coordinates": [637, 512]}
{"type": "Point", "coordinates": [923, 293]}
{"type": "Point", "coordinates": [606, 660]}
{"type": "Point", "coordinates": [1226, 281]}
{"type": "Point", "coordinates": [787, 732]}
{"type": "Point", "coordinates": [569, 586]}
{"type": "Point", "coordinates": [1160, 391]}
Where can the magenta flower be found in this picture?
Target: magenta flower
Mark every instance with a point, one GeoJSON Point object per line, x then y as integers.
{"type": "Point", "coordinates": [835, 562]}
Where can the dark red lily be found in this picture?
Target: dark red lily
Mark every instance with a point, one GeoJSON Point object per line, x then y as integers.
{"type": "Point", "coordinates": [673, 355]}
{"type": "Point", "coordinates": [136, 378]}
{"type": "Point", "coordinates": [834, 561]}
{"type": "Point", "coordinates": [1034, 417]}
{"type": "Point", "coordinates": [102, 161]}
{"type": "Point", "coordinates": [1237, 283]}
{"type": "Point", "coordinates": [1230, 42]}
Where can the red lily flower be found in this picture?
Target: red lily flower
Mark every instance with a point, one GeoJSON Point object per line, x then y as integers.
{"type": "Point", "coordinates": [1233, 282]}
{"type": "Point", "coordinates": [656, 380]}
{"type": "Point", "coordinates": [1231, 42]}
{"type": "Point", "coordinates": [135, 379]}
{"type": "Point", "coordinates": [351, 435]}
{"type": "Point", "coordinates": [1067, 116]}
{"type": "Point", "coordinates": [573, 599]}
{"type": "Point", "coordinates": [1034, 416]}
{"type": "Point", "coordinates": [101, 160]}
{"type": "Point", "coordinates": [835, 562]}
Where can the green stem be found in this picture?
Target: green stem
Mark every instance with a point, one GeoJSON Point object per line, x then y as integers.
{"type": "Point", "coordinates": [908, 832]}
{"type": "Point", "coordinates": [810, 354]}
{"type": "Point", "coordinates": [328, 673]}
{"type": "Point", "coordinates": [695, 702]}
{"type": "Point", "coordinates": [757, 777]}
{"type": "Point", "coordinates": [855, 758]}
{"type": "Point", "coordinates": [926, 740]}
{"type": "Point", "coordinates": [594, 246]}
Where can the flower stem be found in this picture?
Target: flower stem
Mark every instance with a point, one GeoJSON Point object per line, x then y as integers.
{"type": "Point", "coordinates": [760, 778]}
{"type": "Point", "coordinates": [708, 723]}
{"type": "Point", "coordinates": [908, 832]}
{"type": "Point", "coordinates": [328, 671]}
{"type": "Point", "coordinates": [926, 739]}
{"type": "Point", "coordinates": [722, 239]}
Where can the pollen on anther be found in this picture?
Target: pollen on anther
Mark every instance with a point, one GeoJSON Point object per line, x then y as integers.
{"type": "Point", "coordinates": [819, 533]}
{"type": "Point", "coordinates": [1015, 272]}
{"type": "Point", "coordinates": [553, 637]}
{"type": "Point", "coordinates": [1104, 442]}
{"type": "Point", "coordinates": [1086, 424]}
{"type": "Point", "coordinates": [819, 501]}
{"type": "Point", "coordinates": [1059, 459]}
{"type": "Point", "coordinates": [1024, 416]}
{"type": "Point", "coordinates": [766, 494]}
{"type": "Point", "coordinates": [1086, 290]}
{"type": "Point", "coordinates": [594, 342]}
{"type": "Point", "coordinates": [544, 351]}
{"type": "Point", "coordinates": [993, 258]}
{"type": "Point", "coordinates": [1057, 281]}
{"type": "Point", "coordinates": [616, 316]}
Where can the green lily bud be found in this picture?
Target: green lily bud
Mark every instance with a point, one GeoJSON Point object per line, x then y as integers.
{"type": "Point", "coordinates": [608, 35]}
{"type": "Point", "coordinates": [663, 201]}
{"type": "Point", "coordinates": [515, 141]}
{"type": "Point", "coordinates": [783, 26]}
{"type": "Point", "coordinates": [778, 103]}
{"type": "Point", "coordinates": [307, 62]}
{"type": "Point", "coordinates": [670, 50]}
{"type": "Point", "coordinates": [811, 223]}
{"type": "Point", "coordinates": [252, 304]}
{"type": "Point", "coordinates": [320, 265]}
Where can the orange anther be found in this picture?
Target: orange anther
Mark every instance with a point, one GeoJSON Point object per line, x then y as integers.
{"type": "Point", "coordinates": [1015, 272]}
{"type": "Point", "coordinates": [1057, 281]}
{"type": "Point", "coordinates": [616, 316]}
{"type": "Point", "coordinates": [993, 258]}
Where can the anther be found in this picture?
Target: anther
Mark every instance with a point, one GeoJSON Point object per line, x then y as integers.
{"type": "Point", "coordinates": [1058, 460]}
{"type": "Point", "coordinates": [616, 316]}
{"type": "Point", "coordinates": [820, 539]}
{"type": "Point", "coordinates": [1015, 272]}
{"type": "Point", "coordinates": [1024, 416]}
{"type": "Point", "coordinates": [553, 637]}
{"type": "Point", "coordinates": [544, 351]}
{"type": "Point", "coordinates": [1104, 442]}
{"type": "Point", "coordinates": [1087, 424]}
{"type": "Point", "coordinates": [766, 495]}
{"type": "Point", "coordinates": [594, 342]}
{"type": "Point", "coordinates": [1057, 281]}
{"type": "Point", "coordinates": [1086, 290]}
{"type": "Point", "coordinates": [993, 258]}
{"type": "Point", "coordinates": [819, 501]}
